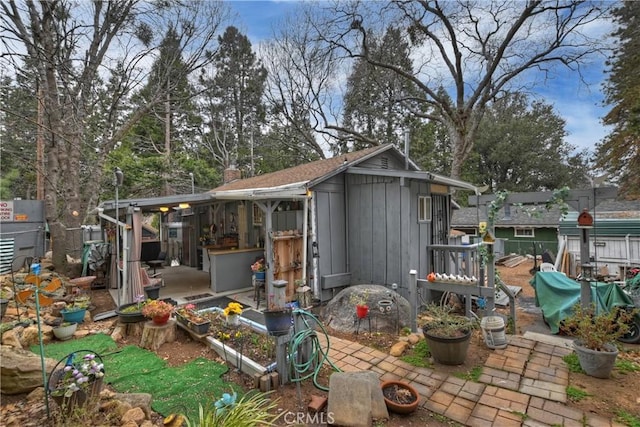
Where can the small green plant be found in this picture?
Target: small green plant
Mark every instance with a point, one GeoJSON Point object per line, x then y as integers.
{"type": "Point", "coordinates": [627, 419]}
{"type": "Point", "coordinates": [418, 356]}
{"type": "Point", "coordinates": [359, 298]}
{"type": "Point", "coordinates": [252, 409]}
{"type": "Point", "coordinates": [472, 375]}
{"type": "Point", "coordinates": [575, 394]}
{"type": "Point", "coordinates": [441, 321]}
{"type": "Point", "coordinates": [573, 363]}
{"type": "Point", "coordinates": [406, 331]}
{"type": "Point", "coordinates": [522, 415]}
{"type": "Point", "coordinates": [596, 330]}
{"type": "Point", "coordinates": [625, 366]}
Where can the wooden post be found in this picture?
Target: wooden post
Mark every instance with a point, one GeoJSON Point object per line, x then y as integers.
{"type": "Point", "coordinates": [282, 365]}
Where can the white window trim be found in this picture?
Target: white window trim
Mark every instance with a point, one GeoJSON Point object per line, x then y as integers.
{"type": "Point", "coordinates": [422, 199]}
{"type": "Point", "coordinates": [517, 234]}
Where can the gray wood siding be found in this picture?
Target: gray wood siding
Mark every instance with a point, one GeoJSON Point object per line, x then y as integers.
{"type": "Point", "coordinates": [613, 253]}
{"type": "Point", "coordinates": [385, 239]}
{"type": "Point", "coordinates": [331, 227]}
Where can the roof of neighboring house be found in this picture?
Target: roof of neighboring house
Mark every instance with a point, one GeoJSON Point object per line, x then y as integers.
{"type": "Point", "coordinates": [307, 172]}
{"type": "Point", "coordinates": [521, 216]}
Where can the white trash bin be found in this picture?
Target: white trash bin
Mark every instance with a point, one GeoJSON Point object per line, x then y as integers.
{"type": "Point", "coordinates": [493, 331]}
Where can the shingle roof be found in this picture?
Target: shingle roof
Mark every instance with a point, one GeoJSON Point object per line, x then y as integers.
{"type": "Point", "coordinates": [306, 172]}
{"type": "Point", "coordinates": [526, 216]}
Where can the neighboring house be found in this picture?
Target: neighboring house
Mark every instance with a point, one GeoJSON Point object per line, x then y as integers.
{"type": "Point", "coordinates": [614, 240]}
{"type": "Point", "coordinates": [519, 227]}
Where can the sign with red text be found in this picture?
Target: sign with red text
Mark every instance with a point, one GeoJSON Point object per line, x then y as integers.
{"type": "Point", "coordinates": [6, 211]}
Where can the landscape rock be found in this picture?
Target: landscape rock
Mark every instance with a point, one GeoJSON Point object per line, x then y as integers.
{"type": "Point", "coordinates": [349, 400]}
{"type": "Point", "coordinates": [12, 338]}
{"type": "Point", "coordinates": [136, 400]}
{"type": "Point", "coordinates": [135, 414]}
{"type": "Point", "coordinates": [414, 339]}
{"type": "Point", "coordinates": [340, 311]}
{"type": "Point", "coordinates": [21, 370]}
{"type": "Point", "coordinates": [398, 348]}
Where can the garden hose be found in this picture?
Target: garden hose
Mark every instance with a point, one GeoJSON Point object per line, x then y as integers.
{"type": "Point", "coordinates": [318, 354]}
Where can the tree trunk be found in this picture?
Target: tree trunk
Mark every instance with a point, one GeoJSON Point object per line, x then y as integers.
{"type": "Point", "coordinates": [153, 336]}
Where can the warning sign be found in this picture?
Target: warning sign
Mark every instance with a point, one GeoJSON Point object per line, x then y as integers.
{"type": "Point", "coordinates": [6, 211]}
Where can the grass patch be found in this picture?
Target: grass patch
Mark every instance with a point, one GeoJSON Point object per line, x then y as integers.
{"type": "Point", "coordinates": [573, 363]}
{"type": "Point", "coordinates": [132, 369]}
{"type": "Point", "coordinates": [576, 394]}
{"type": "Point", "coordinates": [472, 375]}
{"type": "Point", "coordinates": [627, 419]}
{"type": "Point", "coordinates": [625, 366]}
{"type": "Point", "coordinates": [418, 355]}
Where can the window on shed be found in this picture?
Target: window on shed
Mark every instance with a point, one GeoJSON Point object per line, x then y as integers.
{"type": "Point", "coordinates": [523, 232]}
{"type": "Point", "coordinates": [424, 208]}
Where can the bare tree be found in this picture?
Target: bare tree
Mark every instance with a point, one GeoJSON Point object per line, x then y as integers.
{"type": "Point", "coordinates": [71, 47]}
{"type": "Point", "coordinates": [465, 53]}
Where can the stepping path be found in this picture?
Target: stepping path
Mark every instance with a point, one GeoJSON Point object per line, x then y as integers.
{"type": "Point", "coordinates": [521, 385]}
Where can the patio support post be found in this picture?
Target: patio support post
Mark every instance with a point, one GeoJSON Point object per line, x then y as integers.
{"type": "Point", "coordinates": [413, 298]}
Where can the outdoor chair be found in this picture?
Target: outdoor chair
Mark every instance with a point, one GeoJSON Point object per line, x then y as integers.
{"type": "Point", "coordinates": [153, 280]}
{"type": "Point", "coordinates": [546, 267]}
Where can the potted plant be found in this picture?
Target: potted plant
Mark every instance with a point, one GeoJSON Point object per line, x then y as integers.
{"type": "Point", "coordinates": [5, 295]}
{"type": "Point", "coordinates": [259, 269]}
{"type": "Point", "coordinates": [400, 397]}
{"type": "Point", "coordinates": [447, 333]}
{"type": "Point", "coordinates": [596, 333]}
{"type": "Point", "coordinates": [158, 311]}
{"type": "Point", "coordinates": [360, 301]}
{"type": "Point", "coordinates": [191, 319]}
{"type": "Point", "coordinates": [74, 313]}
{"type": "Point", "coordinates": [74, 382]}
{"type": "Point", "coordinates": [132, 313]}
{"type": "Point", "coordinates": [65, 330]}
{"type": "Point", "coordinates": [232, 312]}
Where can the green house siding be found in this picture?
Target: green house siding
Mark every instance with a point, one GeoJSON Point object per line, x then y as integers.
{"type": "Point", "coordinates": [545, 238]}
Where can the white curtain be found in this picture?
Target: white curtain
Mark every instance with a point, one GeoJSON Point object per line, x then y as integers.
{"type": "Point", "coordinates": [134, 281]}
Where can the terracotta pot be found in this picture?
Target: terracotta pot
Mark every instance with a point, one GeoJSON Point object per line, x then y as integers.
{"type": "Point", "coordinates": [161, 320]}
{"type": "Point", "coordinates": [400, 397]}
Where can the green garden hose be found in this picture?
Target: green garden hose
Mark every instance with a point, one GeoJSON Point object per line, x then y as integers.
{"type": "Point", "coordinates": [318, 354]}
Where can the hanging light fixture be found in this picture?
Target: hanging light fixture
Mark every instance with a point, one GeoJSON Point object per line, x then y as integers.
{"type": "Point", "coordinates": [164, 209]}
{"type": "Point", "coordinates": [183, 205]}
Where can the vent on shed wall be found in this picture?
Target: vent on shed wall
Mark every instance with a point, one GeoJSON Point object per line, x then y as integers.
{"type": "Point", "coordinates": [384, 162]}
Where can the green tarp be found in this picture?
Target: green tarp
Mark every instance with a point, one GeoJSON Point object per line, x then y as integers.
{"type": "Point", "coordinates": [556, 294]}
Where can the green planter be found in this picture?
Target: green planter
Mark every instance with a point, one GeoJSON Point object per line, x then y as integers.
{"type": "Point", "coordinates": [73, 316]}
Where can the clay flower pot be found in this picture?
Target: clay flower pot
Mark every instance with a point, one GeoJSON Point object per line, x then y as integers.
{"type": "Point", "coordinates": [400, 397]}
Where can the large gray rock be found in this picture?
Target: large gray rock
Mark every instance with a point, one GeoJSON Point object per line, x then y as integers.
{"type": "Point", "coordinates": [349, 400]}
{"type": "Point", "coordinates": [340, 312]}
{"type": "Point", "coordinates": [21, 370]}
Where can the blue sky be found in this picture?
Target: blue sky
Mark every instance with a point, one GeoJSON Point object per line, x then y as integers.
{"type": "Point", "coordinates": [578, 103]}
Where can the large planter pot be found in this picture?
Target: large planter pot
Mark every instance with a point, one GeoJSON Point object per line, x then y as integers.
{"type": "Point", "coordinates": [65, 332]}
{"type": "Point", "coordinates": [278, 322]}
{"type": "Point", "coordinates": [152, 292]}
{"type": "Point", "coordinates": [198, 328]}
{"type": "Point", "coordinates": [598, 364]}
{"type": "Point", "coordinates": [400, 397]}
{"type": "Point", "coordinates": [74, 316]}
{"type": "Point", "coordinates": [448, 351]}
{"type": "Point", "coordinates": [129, 316]}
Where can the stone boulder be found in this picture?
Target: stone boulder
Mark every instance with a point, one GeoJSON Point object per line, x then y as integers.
{"type": "Point", "coordinates": [340, 312]}
{"type": "Point", "coordinates": [21, 370]}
